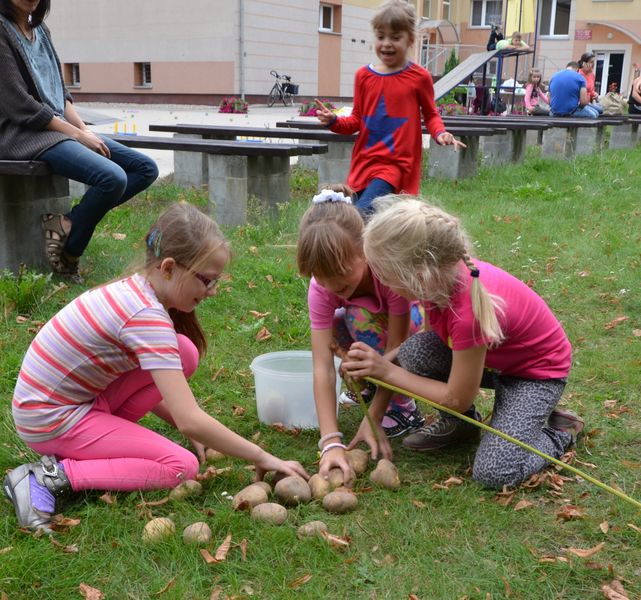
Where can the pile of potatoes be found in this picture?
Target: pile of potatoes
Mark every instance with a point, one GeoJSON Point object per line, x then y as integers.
{"type": "Point", "coordinates": [294, 490]}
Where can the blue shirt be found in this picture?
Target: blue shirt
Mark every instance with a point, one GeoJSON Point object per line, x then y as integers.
{"type": "Point", "coordinates": [565, 92]}
{"type": "Point", "coordinates": [45, 70]}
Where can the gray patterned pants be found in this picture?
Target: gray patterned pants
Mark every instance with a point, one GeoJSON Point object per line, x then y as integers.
{"type": "Point", "coordinates": [521, 409]}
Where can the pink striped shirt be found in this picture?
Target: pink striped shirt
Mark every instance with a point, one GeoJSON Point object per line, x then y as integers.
{"type": "Point", "coordinates": [101, 335]}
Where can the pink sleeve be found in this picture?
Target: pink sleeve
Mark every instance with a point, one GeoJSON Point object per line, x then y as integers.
{"type": "Point", "coordinates": [528, 96]}
{"type": "Point", "coordinates": [322, 305]}
{"type": "Point", "coordinates": [396, 305]}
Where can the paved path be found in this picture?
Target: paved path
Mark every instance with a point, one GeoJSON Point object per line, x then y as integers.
{"type": "Point", "coordinates": [138, 117]}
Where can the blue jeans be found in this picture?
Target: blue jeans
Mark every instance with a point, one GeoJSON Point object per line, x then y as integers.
{"type": "Point", "coordinates": [112, 182]}
{"type": "Point", "coordinates": [583, 112]}
{"type": "Point", "coordinates": [375, 189]}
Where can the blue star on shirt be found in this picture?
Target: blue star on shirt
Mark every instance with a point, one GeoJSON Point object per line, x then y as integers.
{"type": "Point", "coordinates": [381, 126]}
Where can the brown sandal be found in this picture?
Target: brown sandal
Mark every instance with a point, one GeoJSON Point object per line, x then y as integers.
{"type": "Point", "coordinates": [55, 239]}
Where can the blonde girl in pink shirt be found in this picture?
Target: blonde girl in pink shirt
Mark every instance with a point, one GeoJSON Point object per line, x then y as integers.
{"type": "Point", "coordinates": [535, 92]}
{"type": "Point", "coordinates": [112, 355]}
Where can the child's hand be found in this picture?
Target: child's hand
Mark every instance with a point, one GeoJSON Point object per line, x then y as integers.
{"type": "Point", "coordinates": [199, 450]}
{"type": "Point", "coordinates": [336, 458]}
{"type": "Point", "coordinates": [269, 462]}
{"type": "Point", "coordinates": [447, 139]}
{"type": "Point", "coordinates": [325, 116]}
{"type": "Point", "coordinates": [362, 360]}
{"type": "Point", "coordinates": [380, 449]}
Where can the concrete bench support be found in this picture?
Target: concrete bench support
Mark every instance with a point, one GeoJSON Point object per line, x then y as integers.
{"type": "Point", "coordinates": [446, 163]}
{"type": "Point", "coordinates": [23, 198]}
{"type": "Point", "coordinates": [559, 142]}
{"type": "Point", "coordinates": [268, 180]}
{"type": "Point", "coordinates": [589, 140]}
{"type": "Point", "coordinates": [227, 189]}
{"type": "Point", "coordinates": [333, 167]}
{"type": "Point", "coordinates": [191, 169]}
{"type": "Point", "coordinates": [624, 136]}
{"type": "Point", "coordinates": [503, 149]}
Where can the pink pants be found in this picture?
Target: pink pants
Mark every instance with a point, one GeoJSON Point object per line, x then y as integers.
{"type": "Point", "coordinates": [108, 450]}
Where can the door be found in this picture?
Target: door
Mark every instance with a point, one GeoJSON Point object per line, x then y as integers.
{"type": "Point", "coordinates": [608, 70]}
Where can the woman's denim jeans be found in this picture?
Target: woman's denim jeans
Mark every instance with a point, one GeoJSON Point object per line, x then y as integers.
{"type": "Point", "coordinates": [112, 182]}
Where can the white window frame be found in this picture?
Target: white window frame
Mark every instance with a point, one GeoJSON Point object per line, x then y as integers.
{"type": "Point", "coordinates": [448, 4]}
{"type": "Point", "coordinates": [557, 36]}
{"type": "Point", "coordinates": [74, 71]}
{"type": "Point", "coordinates": [429, 12]}
{"type": "Point", "coordinates": [484, 24]}
{"type": "Point", "coordinates": [321, 9]}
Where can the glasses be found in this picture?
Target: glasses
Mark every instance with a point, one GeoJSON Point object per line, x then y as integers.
{"type": "Point", "coordinates": [209, 283]}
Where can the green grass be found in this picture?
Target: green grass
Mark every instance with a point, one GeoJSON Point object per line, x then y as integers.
{"type": "Point", "coordinates": [571, 229]}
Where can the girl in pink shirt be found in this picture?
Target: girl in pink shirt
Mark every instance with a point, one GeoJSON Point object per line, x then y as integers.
{"type": "Point", "coordinates": [488, 329]}
{"type": "Point", "coordinates": [111, 356]}
{"type": "Point", "coordinates": [348, 303]}
{"type": "Point", "coordinates": [533, 92]}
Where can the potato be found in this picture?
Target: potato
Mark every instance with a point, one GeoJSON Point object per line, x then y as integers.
{"type": "Point", "coordinates": [319, 486]}
{"type": "Point", "coordinates": [264, 485]}
{"type": "Point", "coordinates": [336, 478]}
{"type": "Point", "coordinates": [197, 533]}
{"type": "Point", "coordinates": [212, 456]}
{"type": "Point", "coordinates": [311, 529]}
{"type": "Point", "coordinates": [293, 490]}
{"type": "Point", "coordinates": [186, 489]}
{"type": "Point", "coordinates": [358, 459]}
{"type": "Point", "coordinates": [269, 512]}
{"type": "Point", "coordinates": [386, 475]}
{"type": "Point", "coordinates": [251, 496]}
{"type": "Point", "coordinates": [340, 502]}
{"type": "Point", "coordinates": [158, 529]}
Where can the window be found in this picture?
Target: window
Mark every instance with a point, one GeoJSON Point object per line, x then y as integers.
{"type": "Point", "coordinates": [143, 75]}
{"type": "Point", "coordinates": [326, 19]}
{"type": "Point", "coordinates": [486, 13]}
{"type": "Point", "coordinates": [72, 74]}
{"type": "Point", "coordinates": [446, 9]}
{"type": "Point", "coordinates": [427, 9]}
{"type": "Point", "coordinates": [555, 17]}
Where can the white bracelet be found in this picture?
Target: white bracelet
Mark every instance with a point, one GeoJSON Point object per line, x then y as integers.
{"type": "Point", "coordinates": [329, 436]}
{"type": "Point", "coordinates": [332, 445]}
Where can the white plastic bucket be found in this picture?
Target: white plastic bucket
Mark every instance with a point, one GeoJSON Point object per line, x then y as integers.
{"type": "Point", "coordinates": [285, 389]}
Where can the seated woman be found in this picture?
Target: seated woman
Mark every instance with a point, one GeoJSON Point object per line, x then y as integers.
{"type": "Point", "coordinates": [514, 43]}
{"type": "Point", "coordinates": [586, 68]}
{"type": "Point", "coordinates": [634, 101]}
{"type": "Point", "coordinates": [39, 121]}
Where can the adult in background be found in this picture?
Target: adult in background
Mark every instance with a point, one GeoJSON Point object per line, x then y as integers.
{"type": "Point", "coordinates": [568, 94]}
{"type": "Point", "coordinates": [39, 121]}
{"type": "Point", "coordinates": [634, 101]}
{"type": "Point", "coordinates": [495, 36]}
{"type": "Point", "coordinates": [586, 68]}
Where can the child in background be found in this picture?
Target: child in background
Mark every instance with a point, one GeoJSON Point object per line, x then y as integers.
{"type": "Point", "coordinates": [388, 100]}
{"type": "Point", "coordinates": [514, 43]}
{"type": "Point", "coordinates": [347, 303]}
{"type": "Point", "coordinates": [533, 92]}
{"type": "Point", "coordinates": [488, 329]}
{"type": "Point", "coordinates": [111, 356]}
{"type": "Point", "coordinates": [495, 37]}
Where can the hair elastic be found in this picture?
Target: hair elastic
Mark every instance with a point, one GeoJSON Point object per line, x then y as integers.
{"type": "Point", "coordinates": [331, 196]}
{"type": "Point", "coordinates": [329, 436]}
{"type": "Point", "coordinates": [153, 241]}
{"type": "Point", "coordinates": [475, 272]}
{"type": "Point", "coordinates": [331, 447]}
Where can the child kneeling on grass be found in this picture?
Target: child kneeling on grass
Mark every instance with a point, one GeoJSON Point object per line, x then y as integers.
{"type": "Point", "coordinates": [348, 303]}
{"type": "Point", "coordinates": [111, 356]}
{"type": "Point", "coordinates": [489, 329]}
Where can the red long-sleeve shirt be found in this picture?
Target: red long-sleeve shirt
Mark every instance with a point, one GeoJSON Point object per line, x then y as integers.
{"type": "Point", "coordinates": [387, 114]}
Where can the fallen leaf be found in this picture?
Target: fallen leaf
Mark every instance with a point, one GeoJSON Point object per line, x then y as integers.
{"type": "Point", "coordinates": [505, 496]}
{"type": "Point", "coordinates": [243, 548]}
{"type": "Point", "coordinates": [508, 589]}
{"type": "Point", "coordinates": [614, 591]}
{"type": "Point", "coordinates": [521, 504]}
{"type": "Point", "coordinates": [209, 559]}
{"type": "Point", "coordinates": [453, 481]}
{"type": "Point", "coordinates": [300, 581]}
{"type": "Point", "coordinates": [119, 236]}
{"type": "Point", "coordinates": [583, 273]}
{"type": "Point", "coordinates": [418, 504]}
{"type": "Point", "coordinates": [336, 541]}
{"type": "Point", "coordinates": [70, 549]}
{"type": "Point", "coordinates": [604, 527]}
{"type": "Point", "coordinates": [167, 586]}
{"type": "Point", "coordinates": [269, 278]}
{"type": "Point", "coordinates": [570, 512]}
{"type": "Point", "coordinates": [223, 549]}
{"type": "Point", "coordinates": [253, 250]}
{"type": "Point", "coordinates": [210, 473]}
{"type": "Point", "coordinates": [107, 498]}
{"type": "Point", "coordinates": [258, 315]}
{"type": "Point", "coordinates": [238, 411]}
{"type": "Point", "coordinates": [217, 373]}
{"type": "Point", "coordinates": [587, 552]}
{"type": "Point", "coordinates": [263, 334]}
{"type": "Point", "coordinates": [20, 319]}
{"type": "Point", "coordinates": [216, 593]}
{"type": "Point", "coordinates": [636, 332]}
{"type": "Point", "coordinates": [612, 324]}
{"type": "Point", "coordinates": [637, 529]}
{"type": "Point", "coordinates": [90, 593]}
{"type": "Point", "coordinates": [145, 503]}
{"type": "Point", "coordinates": [5, 550]}
{"type": "Point", "coordinates": [251, 285]}
{"type": "Point", "coordinates": [415, 597]}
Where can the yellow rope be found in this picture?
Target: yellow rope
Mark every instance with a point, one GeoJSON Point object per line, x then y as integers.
{"type": "Point", "coordinates": [507, 437]}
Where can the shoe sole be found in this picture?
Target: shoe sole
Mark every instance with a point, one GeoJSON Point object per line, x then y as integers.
{"type": "Point", "coordinates": [566, 420]}
{"type": "Point", "coordinates": [472, 438]}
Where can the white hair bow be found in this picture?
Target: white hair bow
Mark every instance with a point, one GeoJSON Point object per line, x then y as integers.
{"type": "Point", "coordinates": [331, 196]}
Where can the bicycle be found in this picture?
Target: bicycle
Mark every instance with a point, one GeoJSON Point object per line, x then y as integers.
{"type": "Point", "coordinates": [283, 90]}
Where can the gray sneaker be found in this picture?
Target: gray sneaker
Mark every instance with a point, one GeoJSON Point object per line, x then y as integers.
{"type": "Point", "coordinates": [446, 431]}
{"type": "Point", "coordinates": [566, 420]}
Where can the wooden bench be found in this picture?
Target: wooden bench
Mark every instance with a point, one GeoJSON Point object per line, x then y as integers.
{"type": "Point", "coordinates": [332, 166]}
{"type": "Point", "coordinates": [27, 190]}
{"type": "Point", "coordinates": [235, 170]}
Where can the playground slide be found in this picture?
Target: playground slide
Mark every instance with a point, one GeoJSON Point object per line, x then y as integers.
{"type": "Point", "coordinates": [462, 72]}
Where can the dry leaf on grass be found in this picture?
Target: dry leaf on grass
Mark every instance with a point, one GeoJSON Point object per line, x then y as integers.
{"type": "Point", "coordinates": [210, 473]}
{"type": "Point", "coordinates": [448, 483]}
{"type": "Point", "coordinates": [167, 586]}
{"type": "Point", "coordinates": [604, 527]}
{"type": "Point", "coordinates": [300, 581]}
{"type": "Point", "coordinates": [585, 553]}
{"type": "Point", "coordinates": [69, 549]}
{"type": "Point", "coordinates": [90, 593]}
{"type": "Point", "coordinates": [336, 541]}
{"type": "Point", "coordinates": [107, 498]}
{"type": "Point", "coordinates": [614, 591]}
{"type": "Point", "coordinates": [145, 504]}
{"type": "Point", "coordinates": [418, 504]}
{"type": "Point", "coordinates": [223, 549]}
{"type": "Point", "coordinates": [263, 334]}
{"type": "Point", "coordinates": [258, 315]}
{"type": "Point", "coordinates": [119, 236]}
{"type": "Point", "coordinates": [632, 526]}
{"type": "Point", "coordinates": [570, 512]}
{"type": "Point", "coordinates": [217, 593]}
{"type": "Point", "coordinates": [612, 324]}
{"type": "Point", "coordinates": [238, 411]}
{"type": "Point", "coordinates": [209, 559]}
{"type": "Point", "coordinates": [636, 332]}
{"type": "Point", "coordinates": [243, 548]}
{"type": "Point", "coordinates": [521, 504]}
{"type": "Point", "coordinates": [5, 550]}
